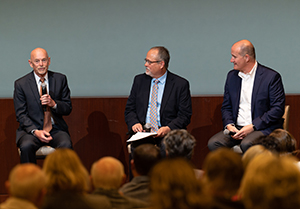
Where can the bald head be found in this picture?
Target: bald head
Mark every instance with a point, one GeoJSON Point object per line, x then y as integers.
{"type": "Point", "coordinates": [107, 173]}
{"type": "Point", "coordinates": [245, 47]}
{"type": "Point", "coordinates": [26, 181]}
{"type": "Point", "coordinates": [39, 61]}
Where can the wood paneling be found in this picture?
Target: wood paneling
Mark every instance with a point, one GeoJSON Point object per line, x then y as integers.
{"type": "Point", "coordinates": [98, 129]}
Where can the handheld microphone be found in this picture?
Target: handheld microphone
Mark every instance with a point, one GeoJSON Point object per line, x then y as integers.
{"type": "Point", "coordinates": [227, 132]}
{"type": "Point", "coordinates": [147, 127]}
{"type": "Point", "coordinates": [44, 91]}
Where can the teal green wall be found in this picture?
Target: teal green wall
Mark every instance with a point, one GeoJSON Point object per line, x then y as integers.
{"type": "Point", "coordinates": [100, 44]}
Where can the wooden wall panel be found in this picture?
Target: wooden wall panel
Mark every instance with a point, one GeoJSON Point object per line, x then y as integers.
{"type": "Point", "coordinates": [98, 129]}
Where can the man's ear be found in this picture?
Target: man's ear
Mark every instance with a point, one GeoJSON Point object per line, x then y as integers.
{"type": "Point", "coordinates": [132, 164]}
{"type": "Point", "coordinates": [30, 63]}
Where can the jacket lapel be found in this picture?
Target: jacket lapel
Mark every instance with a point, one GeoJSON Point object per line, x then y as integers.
{"type": "Point", "coordinates": [34, 89]}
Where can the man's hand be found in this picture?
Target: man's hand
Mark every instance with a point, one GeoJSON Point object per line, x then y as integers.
{"type": "Point", "coordinates": [47, 100]}
{"type": "Point", "coordinates": [43, 136]}
{"type": "Point", "coordinates": [163, 131]}
{"type": "Point", "coordinates": [243, 132]}
{"type": "Point", "coordinates": [137, 127]}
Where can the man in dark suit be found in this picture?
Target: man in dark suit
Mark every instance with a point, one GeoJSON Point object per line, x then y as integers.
{"type": "Point", "coordinates": [254, 100]}
{"type": "Point", "coordinates": [173, 103]}
{"type": "Point", "coordinates": [31, 106]}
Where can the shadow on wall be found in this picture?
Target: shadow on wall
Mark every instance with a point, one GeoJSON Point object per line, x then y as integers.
{"type": "Point", "coordinates": [99, 142]}
{"type": "Point", "coordinates": [8, 150]}
{"type": "Point", "coordinates": [202, 135]}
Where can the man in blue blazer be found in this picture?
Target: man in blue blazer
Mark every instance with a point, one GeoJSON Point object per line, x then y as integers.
{"type": "Point", "coordinates": [30, 107]}
{"type": "Point", "coordinates": [254, 100]}
{"type": "Point", "coordinates": [174, 98]}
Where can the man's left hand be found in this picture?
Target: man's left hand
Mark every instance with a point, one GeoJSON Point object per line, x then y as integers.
{"type": "Point", "coordinates": [47, 100]}
{"type": "Point", "coordinates": [163, 131]}
{"type": "Point", "coordinates": [243, 132]}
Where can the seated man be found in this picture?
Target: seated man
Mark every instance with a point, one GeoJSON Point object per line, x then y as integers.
{"type": "Point", "coordinates": [107, 176]}
{"type": "Point", "coordinates": [26, 186]}
{"type": "Point", "coordinates": [145, 157]}
{"type": "Point", "coordinates": [41, 98]}
{"type": "Point", "coordinates": [253, 102]}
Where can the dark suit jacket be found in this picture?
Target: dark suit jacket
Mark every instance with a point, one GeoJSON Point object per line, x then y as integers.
{"type": "Point", "coordinates": [268, 99]}
{"type": "Point", "coordinates": [28, 107]}
{"type": "Point", "coordinates": [176, 106]}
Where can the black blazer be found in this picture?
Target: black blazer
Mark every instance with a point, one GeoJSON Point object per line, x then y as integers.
{"type": "Point", "coordinates": [176, 106]}
{"type": "Point", "coordinates": [28, 107]}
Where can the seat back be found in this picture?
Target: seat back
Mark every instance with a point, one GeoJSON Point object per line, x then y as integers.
{"type": "Point", "coordinates": [286, 117]}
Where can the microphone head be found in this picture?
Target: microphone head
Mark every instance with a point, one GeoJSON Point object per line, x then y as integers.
{"type": "Point", "coordinates": [226, 131]}
{"type": "Point", "coordinates": [147, 127]}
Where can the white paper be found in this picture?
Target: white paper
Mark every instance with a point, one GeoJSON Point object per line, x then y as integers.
{"type": "Point", "coordinates": [140, 135]}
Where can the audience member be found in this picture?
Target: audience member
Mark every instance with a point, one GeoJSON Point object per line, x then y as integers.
{"type": "Point", "coordinates": [173, 185]}
{"type": "Point", "coordinates": [145, 157]}
{"type": "Point", "coordinates": [269, 142]}
{"type": "Point", "coordinates": [223, 172]}
{"type": "Point", "coordinates": [271, 182]}
{"type": "Point", "coordinates": [287, 142]}
{"type": "Point", "coordinates": [68, 182]}
{"type": "Point", "coordinates": [107, 177]}
{"type": "Point", "coordinates": [26, 187]}
{"type": "Point", "coordinates": [252, 152]}
{"type": "Point", "coordinates": [180, 143]}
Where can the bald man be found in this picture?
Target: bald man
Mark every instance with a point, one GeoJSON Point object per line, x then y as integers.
{"type": "Point", "coordinates": [254, 100]}
{"type": "Point", "coordinates": [26, 186]}
{"type": "Point", "coordinates": [31, 104]}
{"type": "Point", "coordinates": [107, 176]}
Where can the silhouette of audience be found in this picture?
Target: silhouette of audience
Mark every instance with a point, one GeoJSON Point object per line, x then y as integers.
{"type": "Point", "coordinates": [145, 157]}
{"type": "Point", "coordinates": [223, 172]}
{"type": "Point", "coordinates": [173, 185]}
{"type": "Point", "coordinates": [107, 176]}
{"type": "Point", "coordinates": [68, 183]}
{"type": "Point", "coordinates": [180, 143]}
{"type": "Point", "coordinates": [271, 182]}
{"type": "Point", "coordinates": [26, 186]}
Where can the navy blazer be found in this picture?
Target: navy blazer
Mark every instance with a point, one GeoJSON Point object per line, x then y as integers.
{"type": "Point", "coordinates": [176, 105]}
{"type": "Point", "coordinates": [267, 104]}
{"type": "Point", "coordinates": [28, 106]}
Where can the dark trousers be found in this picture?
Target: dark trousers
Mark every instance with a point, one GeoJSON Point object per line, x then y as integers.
{"type": "Point", "coordinates": [29, 144]}
{"type": "Point", "coordinates": [221, 140]}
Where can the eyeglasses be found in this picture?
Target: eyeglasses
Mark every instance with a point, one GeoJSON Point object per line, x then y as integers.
{"type": "Point", "coordinates": [151, 62]}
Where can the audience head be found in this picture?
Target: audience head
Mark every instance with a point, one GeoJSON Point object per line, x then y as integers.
{"type": "Point", "coordinates": [223, 171]}
{"type": "Point", "coordinates": [173, 185]}
{"type": "Point", "coordinates": [253, 152]}
{"type": "Point", "coordinates": [108, 173]}
{"type": "Point", "coordinates": [179, 143]}
{"type": "Point", "coordinates": [145, 157]}
{"type": "Point", "coordinates": [27, 181]}
{"type": "Point", "coordinates": [269, 142]}
{"type": "Point", "coordinates": [287, 143]}
{"type": "Point", "coordinates": [65, 172]}
{"type": "Point", "coordinates": [271, 182]}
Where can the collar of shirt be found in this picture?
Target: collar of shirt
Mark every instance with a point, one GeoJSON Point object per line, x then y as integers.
{"type": "Point", "coordinates": [246, 76]}
{"type": "Point", "coordinates": [37, 78]}
{"type": "Point", "coordinates": [162, 79]}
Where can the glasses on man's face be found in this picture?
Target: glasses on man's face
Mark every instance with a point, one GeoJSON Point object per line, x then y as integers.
{"type": "Point", "coordinates": [151, 62]}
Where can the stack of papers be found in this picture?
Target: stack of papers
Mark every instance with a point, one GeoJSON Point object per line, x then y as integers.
{"type": "Point", "coordinates": [140, 135]}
